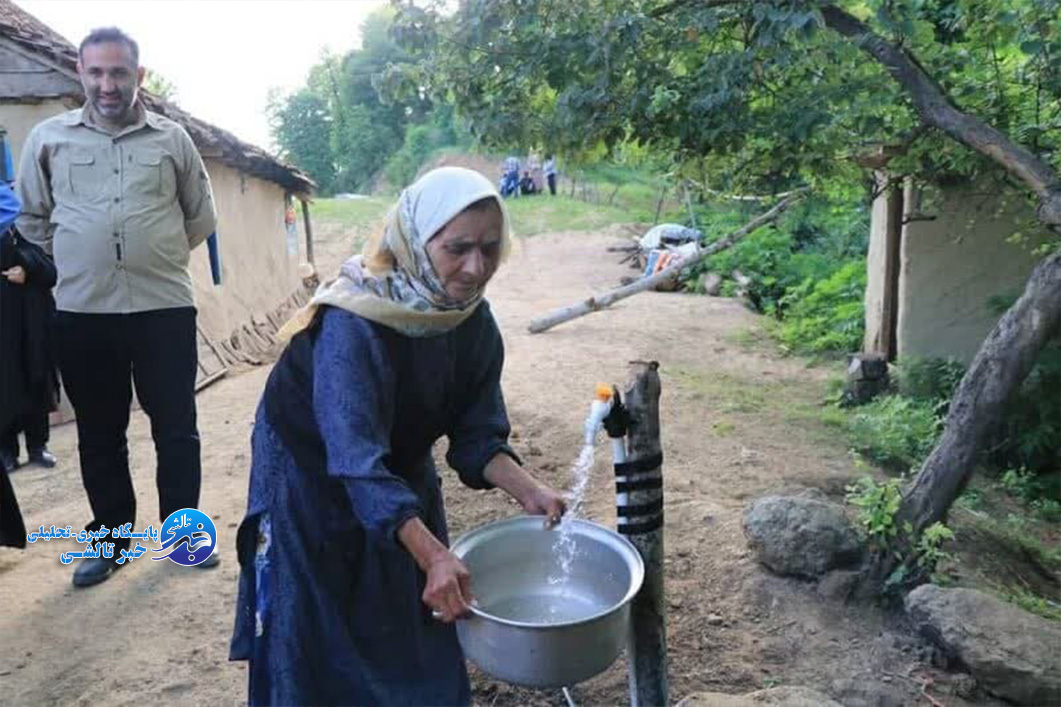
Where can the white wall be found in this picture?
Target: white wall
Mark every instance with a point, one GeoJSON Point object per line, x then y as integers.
{"type": "Point", "coordinates": [951, 266]}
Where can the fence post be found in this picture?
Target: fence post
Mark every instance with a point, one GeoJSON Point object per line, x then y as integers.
{"type": "Point", "coordinates": [639, 506]}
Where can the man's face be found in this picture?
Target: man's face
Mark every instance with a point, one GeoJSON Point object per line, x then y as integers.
{"type": "Point", "coordinates": [110, 78]}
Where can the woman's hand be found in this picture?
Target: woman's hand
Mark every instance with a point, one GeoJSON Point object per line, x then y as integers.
{"type": "Point", "coordinates": [449, 588]}
{"type": "Point", "coordinates": [16, 275]}
{"type": "Point", "coordinates": [545, 501]}
{"type": "Point", "coordinates": [535, 498]}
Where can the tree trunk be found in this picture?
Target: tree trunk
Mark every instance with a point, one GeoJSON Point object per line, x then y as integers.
{"type": "Point", "coordinates": [595, 304]}
{"type": "Point", "coordinates": [1002, 363]}
{"type": "Point", "coordinates": [1011, 349]}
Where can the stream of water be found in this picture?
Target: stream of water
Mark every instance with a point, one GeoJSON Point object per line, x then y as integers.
{"type": "Point", "coordinates": [564, 547]}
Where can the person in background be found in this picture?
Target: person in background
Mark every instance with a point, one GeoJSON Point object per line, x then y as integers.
{"type": "Point", "coordinates": [550, 174]}
{"type": "Point", "coordinates": [29, 389]}
{"type": "Point", "coordinates": [343, 551]}
{"type": "Point", "coordinates": [526, 184]}
{"type": "Point", "coordinates": [25, 274]}
{"type": "Point", "coordinates": [121, 196]}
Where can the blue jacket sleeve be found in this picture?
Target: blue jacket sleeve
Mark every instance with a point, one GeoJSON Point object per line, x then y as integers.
{"type": "Point", "coordinates": [353, 401]}
{"type": "Point", "coordinates": [481, 430]}
{"type": "Point", "coordinates": [10, 206]}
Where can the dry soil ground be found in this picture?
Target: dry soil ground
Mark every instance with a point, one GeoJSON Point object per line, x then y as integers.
{"type": "Point", "coordinates": [738, 420]}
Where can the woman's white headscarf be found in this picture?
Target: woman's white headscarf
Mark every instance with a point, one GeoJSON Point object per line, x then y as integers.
{"type": "Point", "coordinates": [393, 281]}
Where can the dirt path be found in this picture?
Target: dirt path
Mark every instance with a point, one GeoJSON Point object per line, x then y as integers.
{"type": "Point", "coordinates": [738, 420]}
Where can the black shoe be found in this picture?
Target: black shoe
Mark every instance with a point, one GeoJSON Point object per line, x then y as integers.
{"type": "Point", "coordinates": [213, 561]}
{"type": "Point", "coordinates": [8, 462]}
{"type": "Point", "coordinates": [94, 570]}
{"type": "Point", "coordinates": [42, 457]}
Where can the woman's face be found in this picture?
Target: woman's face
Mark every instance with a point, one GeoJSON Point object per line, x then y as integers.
{"type": "Point", "coordinates": [467, 251]}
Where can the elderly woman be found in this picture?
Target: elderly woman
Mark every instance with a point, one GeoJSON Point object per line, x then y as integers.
{"type": "Point", "coordinates": [344, 549]}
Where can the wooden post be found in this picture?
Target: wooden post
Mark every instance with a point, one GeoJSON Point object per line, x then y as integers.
{"type": "Point", "coordinates": [639, 506]}
{"type": "Point", "coordinates": [689, 204]}
{"type": "Point", "coordinates": [659, 204]}
{"type": "Point", "coordinates": [309, 231]}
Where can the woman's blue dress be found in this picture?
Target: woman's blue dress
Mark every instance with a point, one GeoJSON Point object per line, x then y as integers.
{"type": "Point", "coordinates": [329, 608]}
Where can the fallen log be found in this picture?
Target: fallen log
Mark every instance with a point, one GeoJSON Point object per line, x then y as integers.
{"type": "Point", "coordinates": [671, 272]}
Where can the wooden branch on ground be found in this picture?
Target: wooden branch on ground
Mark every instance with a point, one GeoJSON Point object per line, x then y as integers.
{"type": "Point", "coordinates": [597, 303]}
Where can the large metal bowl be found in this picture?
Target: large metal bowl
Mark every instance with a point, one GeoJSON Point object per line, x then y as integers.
{"type": "Point", "coordinates": [528, 630]}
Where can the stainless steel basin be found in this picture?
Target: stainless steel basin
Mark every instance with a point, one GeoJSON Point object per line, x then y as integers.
{"type": "Point", "coordinates": [530, 629]}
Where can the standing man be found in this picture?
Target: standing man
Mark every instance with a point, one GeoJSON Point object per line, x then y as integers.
{"type": "Point", "coordinates": [120, 196]}
{"type": "Point", "coordinates": [550, 174]}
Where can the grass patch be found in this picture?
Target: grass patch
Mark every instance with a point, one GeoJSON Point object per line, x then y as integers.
{"type": "Point", "coordinates": [1032, 603]}
{"type": "Point", "coordinates": [547, 214]}
{"type": "Point", "coordinates": [1002, 548]}
{"type": "Point", "coordinates": [723, 428]}
{"type": "Point", "coordinates": [894, 431]}
{"type": "Point", "coordinates": [750, 339]}
{"type": "Point", "coordinates": [354, 214]}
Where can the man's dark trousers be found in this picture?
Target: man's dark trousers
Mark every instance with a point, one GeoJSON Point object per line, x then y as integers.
{"type": "Point", "coordinates": [98, 355]}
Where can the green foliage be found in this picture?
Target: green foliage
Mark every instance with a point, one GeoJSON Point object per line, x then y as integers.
{"type": "Point", "coordinates": [894, 431]}
{"type": "Point", "coordinates": [918, 555]}
{"type": "Point", "coordinates": [877, 505]}
{"type": "Point", "coordinates": [1031, 422]}
{"type": "Point", "coordinates": [928, 380]}
{"type": "Point", "coordinates": [826, 315]}
{"type": "Point", "coordinates": [1046, 509]}
{"type": "Point", "coordinates": [351, 117]}
{"type": "Point", "coordinates": [754, 93]}
{"type": "Point", "coordinates": [807, 270]}
{"type": "Point", "coordinates": [160, 85]}
{"type": "Point", "coordinates": [930, 551]}
{"type": "Point", "coordinates": [1019, 483]}
{"type": "Point", "coordinates": [1033, 603]}
{"type": "Point", "coordinates": [301, 127]}
{"type": "Point", "coordinates": [421, 141]}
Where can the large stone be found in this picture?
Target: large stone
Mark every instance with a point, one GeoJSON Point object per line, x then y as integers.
{"type": "Point", "coordinates": [774, 697]}
{"type": "Point", "coordinates": [1010, 652]}
{"type": "Point", "coordinates": [800, 536]}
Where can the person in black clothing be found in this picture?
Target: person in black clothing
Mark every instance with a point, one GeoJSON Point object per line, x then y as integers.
{"type": "Point", "coordinates": [29, 389]}
{"type": "Point", "coordinates": [526, 185]}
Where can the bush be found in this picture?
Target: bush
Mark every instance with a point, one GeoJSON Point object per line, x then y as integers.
{"type": "Point", "coordinates": [1031, 423]}
{"type": "Point", "coordinates": [826, 315]}
{"type": "Point", "coordinates": [928, 379]}
{"type": "Point", "coordinates": [894, 431]}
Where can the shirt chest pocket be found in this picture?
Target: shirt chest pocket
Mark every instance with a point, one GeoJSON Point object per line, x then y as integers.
{"type": "Point", "coordinates": [149, 176]}
{"type": "Point", "coordinates": [88, 177]}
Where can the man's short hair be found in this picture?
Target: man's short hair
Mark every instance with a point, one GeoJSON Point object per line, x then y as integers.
{"type": "Point", "coordinates": [105, 35]}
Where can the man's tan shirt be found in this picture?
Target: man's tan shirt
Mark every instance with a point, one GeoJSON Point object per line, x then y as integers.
{"type": "Point", "coordinates": [119, 212]}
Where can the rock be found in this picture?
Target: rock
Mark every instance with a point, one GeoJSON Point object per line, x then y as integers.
{"type": "Point", "coordinates": [838, 585]}
{"type": "Point", "coordinates": [868, 690]}
{"type": "Point", "coordinates": [867, 377]}
{"type": "Point", "coordinates": [800, 536]}
{"type": "Point", "coordinates": [712, 283]}
{"type": "Point", "coordinates": [774, 697]}
{"type": "Point", "coordinates": [1010, 652]}
{"type": "Point", "coordinates": [867, 366]}
{"type": "Point", "coordinates": [714, 620]}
